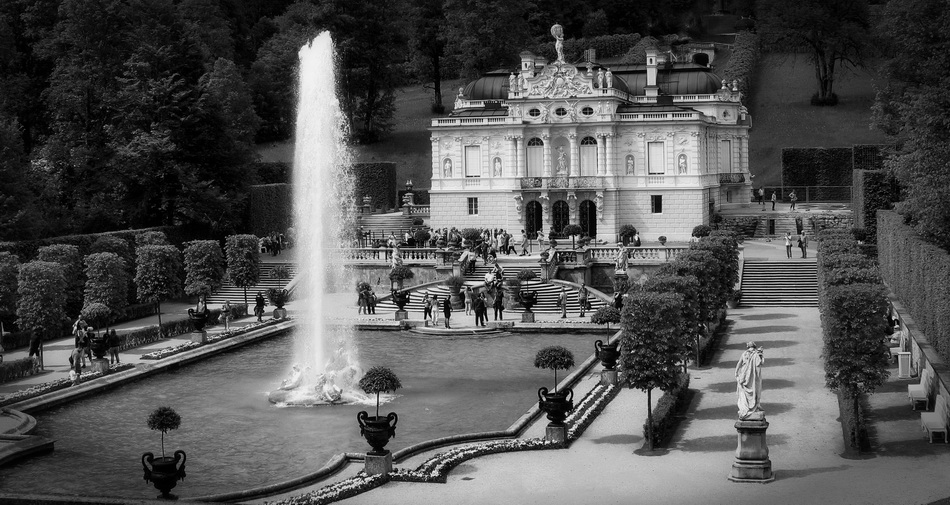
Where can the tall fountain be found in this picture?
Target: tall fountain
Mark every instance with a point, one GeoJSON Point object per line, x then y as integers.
{"type": "Point", "coordinates": [326, 368]}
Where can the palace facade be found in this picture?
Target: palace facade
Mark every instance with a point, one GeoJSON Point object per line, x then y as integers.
{"type": "Point", "coordinates": [660, 146]}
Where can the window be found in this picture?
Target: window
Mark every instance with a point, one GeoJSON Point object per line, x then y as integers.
{"type": "Point", "coordinates": [655, 158]}
{"type": "Point", "coordinates": [534, 112]}
{"type": "Point", "coordinates": [656, 204]}
{"type": "Point", "coordinates": [473, 206]}
{"type": "Point", "coordinates": [560, 112]}
{"type": "Point", "coordinates": [473, 161]}
{"type": "Point", "coordinates": [587, 111]}
{"type": "Point", "coordinates": [588, 156]}
{"type": "Point", "coordinates": [725, 156]}
{"type": "Point", "coordinates": [535, 159]}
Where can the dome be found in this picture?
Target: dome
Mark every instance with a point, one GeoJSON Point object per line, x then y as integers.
{"type": "Point", "coordinates": [488, 87]}
{"type": "Point", "coordinates": [683, 79]}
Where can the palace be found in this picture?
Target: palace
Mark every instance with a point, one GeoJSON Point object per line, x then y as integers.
{"type": "Point", "coordinates": [660, 146]}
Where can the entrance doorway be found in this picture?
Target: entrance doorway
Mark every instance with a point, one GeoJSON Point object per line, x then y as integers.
{"type": "Point", "coordinates": [561, 217]}
{"type": "Point", "coordinates": [532, 219]}
{"type": "Point", "coordinates": [588, 218]}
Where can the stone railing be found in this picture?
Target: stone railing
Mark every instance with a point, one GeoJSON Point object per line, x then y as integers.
{"type": "Point", "coordinates": [383, 256]}
{"type": "Point", "coordinates": [635, 254]}
{"type": "Point", "coordinates": [732, 178]}
{"type": "Point", "coordinates": [586, 181]}
{"type": "Point", "coordinates": [414, 210]}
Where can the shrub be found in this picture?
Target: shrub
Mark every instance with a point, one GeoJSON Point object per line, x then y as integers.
{"type": "Point", "coordinates": [17, 369]}
{"type": "Point", "coordinates": [741, 65]}
{"type": "Point", "coordinates": [151, 237]}
{"type": "Point", "coordinates": [244, 264]}
{"type": "Point", "coordinates": [471, 234]}
{"type": "Point", "coordinates": [816, 166]}
{"type": "Point", "coordinates": [72, 261]}
{"type": "Point", "coordinates": [664, 414]}
{"type": "Point", "coordinates": [204, 267]}
{"type": "Point", "coordinates": [106, 283]}
{"type": "Point", "coordinates": [701, 230]}
{"type": "Point", "coordinates": [9, 268]}
{"type": "Point", "coordinates": [662, 239]}
{"type": "Point", "coordinates": [627, 232]}
{"type": "Point", "coordinates": [873, 191]}
{"type": "Point", "coordinates": [421, 237]}
{"type": "Point", "coordinates": [455, 281]}
{"type": "Point", "coordinates": [527, 274]}
{"type": "Point", "coordinates": [418, 221]}
{"type": "Point", "coordinates": [277, 297]}
{"type": "Point", "coordinates": [40, 299]}
{"type": "Point", "coordinates": [606, 315]}
{"type": "Point", "coordinates": [400, 273]}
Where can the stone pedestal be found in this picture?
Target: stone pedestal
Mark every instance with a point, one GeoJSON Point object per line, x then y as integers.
{"type": "Point", "coordinates": [100, 365]}
{"type": "Point", "coordinates": [752, 462]}
{"type": "Point", "coordinates": [375, 464]}
{"type": "Point", "coordinates": [402, 315]}
{"type": "Point", "coordinates": [527, 317]}
{"type": "Point", "coordinates": [557, 434]}
{"type": "Point", "coordinates": [903, 365]}
{"type": "Point", "coordinates": [199, 336]}
{"type": "Point", "coordinates": [608, 377]}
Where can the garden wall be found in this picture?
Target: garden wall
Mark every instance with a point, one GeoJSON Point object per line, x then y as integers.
{"type": "Point", "coordinates": [872, 190]}
{"type": "Point", "coordinates": [269, 209]}
{"type": "Point", "coordinates": [377, 181]}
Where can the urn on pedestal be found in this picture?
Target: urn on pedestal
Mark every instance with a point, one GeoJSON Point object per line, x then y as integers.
{"type": "Point", "coordinates": [556, 404]}
{"type": "Point", "coordinates": [165, 471]}
{"type": "Point", "coordinates": [378, 429]}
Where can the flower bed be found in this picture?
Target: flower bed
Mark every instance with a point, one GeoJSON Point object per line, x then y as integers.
{"type": "Point", "coordinates": [337, 491]}
{"type": "Point", "coordinates": [56, 385]}
{"type": "Point", "coordinates": [436, 468]}
{"type": "Point", "coordinates": [187, 346]}
{"type": "Point", "coordinates": [588, 409]}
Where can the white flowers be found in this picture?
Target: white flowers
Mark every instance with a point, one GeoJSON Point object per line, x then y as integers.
{"type": "Point", "coordinates": [56, 385]}
{"type": "Point", "coordinates": [337, 491]}
{"type": "Point", "coordinates": [169, 351]}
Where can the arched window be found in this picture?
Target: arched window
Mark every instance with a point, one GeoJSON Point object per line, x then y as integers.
{"type": "Point", "coordinates": [588, 218]}
{"type": "Point", "coordinates": [560, 216]}
{"type": "Point", "coordinates": [588, 164]}
{"type": "Point", "coordinates": [535, 157]}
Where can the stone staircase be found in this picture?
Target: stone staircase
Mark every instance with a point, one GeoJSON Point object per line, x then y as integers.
{"type": "Point", "coordinates": [231, 292]}
{"type": "Point", "coordinates": [381, 225]}
{"type": "Point", "coordinates": [783, 223]}
{"type": "Point", "coordinates": [792, 283]}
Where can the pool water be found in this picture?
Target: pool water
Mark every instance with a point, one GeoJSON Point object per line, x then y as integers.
{"type": "Point", "coordinates": [235, 439]}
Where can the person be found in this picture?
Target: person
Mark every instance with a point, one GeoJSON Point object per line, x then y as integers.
{"type": "Point", "coordinates": [499, 305]}
{"type": "Point", "coordinates": [525, 243]}
{"type": "Point", "coordinates": [391, 241]}
{"type": "Point", "coordinates": [749, 381]}
{"type": "Point", "coordinates": [79, 325]}
{"type": "Point", "coordinates": [773, 199]}
{"type": "Point", "coordinates": [114, 343]}
{"type": "Point", "coordinates": [75, 371]}
{"type": "Point", "coordinates": [426, 307]}
{"type": "Point", "coordinates": [87, 343]}
{"type": "Point", "coordinates": [618, 300]}
{"type": "Point", "coordinates": [447, 311]}
{"type": "Point", "coordinates": [562, 301]}
{"type": "Point", "coordinates": [794, 198]}
{"type": "Point", "coordinates": [481, 310]}
{"type": "Point", "coordinates": [762, 197]}
{"type": "Point", "coordinates": [803, 244]}
{"type": "Point", "coordinates": [226, 314]}
{"type": "Point", "coordinates": [468, 300]}
{"type": "Point", "coordinates": [361, 302]}
{"type": "Point", "coordinates": [582, 298]}
{"type": "Point", "coordinates": [788, 244]}
{"type": "Point", "coordinates": [540, 239]}
{"type": "Point", "coordinates": [636, 239]}
{"type": "Point", "coordinates": [434, 304]}
{"type": "Point", "coordinates": [259, 304]}
{"type": "Point", "coordinates": [371, 300]}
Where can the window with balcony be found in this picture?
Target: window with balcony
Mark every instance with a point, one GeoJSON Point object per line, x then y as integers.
{"type": "Point", "coordinates": [473, 206]}
{"type": "Point", "coordinates": [656, 204]}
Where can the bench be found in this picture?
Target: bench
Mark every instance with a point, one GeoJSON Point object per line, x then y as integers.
{"type": "Point", "coordinates": [921, 392]}
{"type": "Point", "coordinates": [936, 421]}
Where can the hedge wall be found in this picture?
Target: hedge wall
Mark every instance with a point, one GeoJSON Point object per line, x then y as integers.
{"type": "Point", "coordinates": [376, 180]}
{"type": "Point", "coordinates": [816, 166]}
{"type": "Point", "coordinates": [664, 413]}
{"type": "Point", "coordinates": [26, 250]}
{"type": "Point", "coordinates": [917, 272]}
{"type": "Point", "coordinates": [867, 156]}
{"type": "Point", "coordinates": [741, 65]}
{"type": "Point", "coordinates": [273, 172]}
{"type": "Point", "coordinates": [17, 369]}
{"type": "Point", "coordinates": [873, 190]}
{"type": "Point", "coordinates": [269, 209]}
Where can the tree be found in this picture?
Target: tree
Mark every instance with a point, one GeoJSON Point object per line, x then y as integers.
{"type": "Point", "coordinates": [40, 299]}
{"type": "Point", "coordinates": [485, 34]}
{"type": "Point", "coordinates": [606, 315]}
{"type": "Point", "coordinates": [151, 238]}
{"type": "Point", "coordinates": [164, 419]}
{"type": "Point", "coordinates": [106, 283]}
{"type": "Point", "coordinates": [18, 215]}
{"type": "Point", "coordinates": [244, 265]}
{"type": "Point", "coordinates": [573, 230]}
{"type": "Point", "coordinates": [725, 248]}
{"type": "Point", "coordinates": [651, 348]}
{"type": "Point", "coordinates": [70, 258]}
{"type": "Point", "coordinates": [702, 266]}
{"type": "Point", "coordinates": [687, 286]}
{"type": "Point", "coordinates": [157, 274]}
{"type": "Point", "coordinates": [9, 268]}
{"type": "Point", "coordinates": [428, 45]}
{"type": "Point", "coordinates": [203, 268]}
{"type": "Point", "coordinates": [834, 32]}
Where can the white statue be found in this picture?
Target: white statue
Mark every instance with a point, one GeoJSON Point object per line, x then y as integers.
{"type": "Point", "coordinates": [610, 78]}
{"type": "Point", "coordinates": [496, 168]}
{"type": "Point", "coordinates": [561, 160]}
{"type": "Point", "coordinates": [630, 164]}
{"type": "Point", "coordinates": [447, 168]}
{"type": "Point", "coordinates": [558, 32]}
{"type": "Point", "coordinates": [519, 204]}
{"type": "Point", "coordinates": [749, 383]}
{"type": "Point", "coordinates": [681, 163]}
{"type": "Point", "coordinates": [512, 83]}
{"type": "Point", "coordinates": [600, 77]}
{"type": "Point", "coordinates": [620, 262]}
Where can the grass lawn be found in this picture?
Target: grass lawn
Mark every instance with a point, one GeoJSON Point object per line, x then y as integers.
{"type": "Point", "coordinates": [783, 117]}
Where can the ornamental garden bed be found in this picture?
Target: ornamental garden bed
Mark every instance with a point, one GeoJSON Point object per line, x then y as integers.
{"type": "Point", "coordinates": [187, 346]}
{"type": "Point", "coordinates": [58, 384]}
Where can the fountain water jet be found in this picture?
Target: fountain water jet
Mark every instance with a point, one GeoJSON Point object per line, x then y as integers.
{"type": "Point", "coordinates": [327, 366]}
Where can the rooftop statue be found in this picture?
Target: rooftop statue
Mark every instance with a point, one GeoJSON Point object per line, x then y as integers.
{"type": "Point", "coordinates": [558, 32]}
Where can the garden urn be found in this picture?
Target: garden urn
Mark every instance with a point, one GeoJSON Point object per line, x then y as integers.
{"type": "Point", "coordinates": [607, 354]}
{"type": "Point", "coordinates": [557, 404]}
{"type": "Point", "coordinates": [377, 430]}
{"type": "Point", "coordinates": [165, 472]}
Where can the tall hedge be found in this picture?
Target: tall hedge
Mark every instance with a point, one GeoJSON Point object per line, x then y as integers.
{"type": "Point", "coordinates": [244, 263]}
{"type": "Point", "coordinates": [816, 166]}
{"type": "Point", "coordinates": [106, 283]}
{"type": "Point", "coordinates": [270, 208]}
{"type": "Point", "coordinates": [41, 288]}
{"type": "Point", "coordinates": [204, 267]}
{"type": "Point", "coordinates": [917, 272]}
{"type": "Point", "coordinates": [9, 268]}
{"type": "Point", "coordinates": [69, 257]}
{"type": "Point", "coordinates": [703, 266]}
{"type": "Point", "coordinates": [27, 250]}
{"type": "Point", "coordinates": [741, 65]}
{"type": "Point", "coordinates": [872, 190]}
{"type": "Point", "coordinates": [377, 181]}
{"type": "Point", "coordinates": [868, 156]}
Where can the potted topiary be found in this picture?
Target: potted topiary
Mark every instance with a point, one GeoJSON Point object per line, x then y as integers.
{"type": "Point", "coordinates": [662, 240]}
{"type": "Point", "coordinates": [376, 429]}
{"type": "Point", "coordinates": [556, 404]}
{"type": "Point", "coordinates": [278, 297]}
{"type": "Point", "coordinates": [455, 283]}
{"type": "Point", "coordinates": [165, 472]}
{"type": "Point", "coordinates": [701, 230]}
{"type": "Point", "coordinates": [399, 274]}
{"type": "Point", "coordinates": [527, 297]}
{"type": "Point", "coordinates": [573, 231]}
{"type": "Point", "coordinates": [626, 233]}
{"type": "Point", "coordinates": [97, 315]}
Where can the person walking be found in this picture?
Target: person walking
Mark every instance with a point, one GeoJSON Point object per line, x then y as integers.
{"type": "Point", "coordinates": [773, 199]}
{"type": "Point", "coordinates": [788, 244]}
{"type": "Point", "coordinates": [803, 244]}
{"type": "Point", "coordinates": [113, 347]}
{"type": "Point", "coordinates": [447, 312]}
{"type": "Point", "coordinates": [259, 304]}
{"type": "Point", "coordinates": [499, 304]}
{"type": "Point", "coordinates": [582, 298]}
{"type": "Point", "coordinates": [87, 343]}
{"type": "Point", "coordinates": [524, 243]}
{"type": "Point", "coordinates": [481, 310]}
{"type": "Point", "coordinates": [75, 371]}
{"type": "Point", "coordinates": [761, 195]}
{"type": "Point", "coordinates": [371, 300]}
{"type": "Point", "coordinates": [426, 307]}
{"type": "Point", "coordinates": [468, 300]}
{"type": "Point", "coordinates": [562, 301]}
{"type": "Point", "coordinates": [794, 198]}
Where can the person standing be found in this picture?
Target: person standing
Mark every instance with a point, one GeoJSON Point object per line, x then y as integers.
{"type": "Point", "coordinates": [524, 243]}
{"type": "Point", "coordinates": [447, 311]}
{"type": "Point", "coordinates": [562, 301]}
{"type": "Point", "coordinates": [480, 310]}
{"type": "Point", "coordinates": [803, 244]}
{"type": "Point", "coordinates": [788, 244]}
{"type": "Point", "coordinates": [636, 239]}
{"type": "Point", "coordinates": [226, 314]}
{"type": "Point", "coordinates": [259, 304]}
{"type": "Point", "coordinates": [762, 197]}
{"type": "Point", "coordinates": [87, 343]}
{"type": "Point", "coordinates": [426, 307]}
{"type": "Point", "coordinates": [371, 300]}
{"type": "Point", "coordinates": [794, 198]}
{"type": "Point", "coordinates": [113, 347]}
{"type": "Point", "coordinates": [499, 304]}
{"type": "Point", "coordinates": [75, 371]}
{"type": "Point", "coordinates": [434, 304]}
{"type": "Point", "coordinates": [540, 239]}
{"type": "Point", "coordinates": [469, 294]}
{"type": "Point", "coordinates": [773, 199]}
{"type": "Point", "coordinates": [582, 298]}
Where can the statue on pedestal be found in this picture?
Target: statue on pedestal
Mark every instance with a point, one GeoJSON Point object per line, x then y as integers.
{"type": "Point", "coordinates": [749, 383]}
{"type": "Point", "coordinates": [620, 262]}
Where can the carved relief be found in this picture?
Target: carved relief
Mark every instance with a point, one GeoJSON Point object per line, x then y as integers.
{"type": "Point", "coordinates": [519, 206]}
{"type": "Point", "coordinates": [559, 80]}
{"type": "Point", "coordinates": [629, 164]}
{"type": "Point", "coordinates": [599, 205]}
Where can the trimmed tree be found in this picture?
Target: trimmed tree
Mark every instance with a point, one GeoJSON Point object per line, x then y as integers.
{"type": "Point", "coordinates": [692, 327]}
{"type": "Point", "coordinates": [379, 379]}
{"type": "Point", "coordinates": [203, 268]}
{"type": "Point", "coordinates": [651, 349]}
{"type": "Point", "coordinates": [69, 257]}
{"type": "Point", "coordinates": [151, 238]}
{"type": "Point", "coordinates": [606, 315]}
{"type": "Point", "coordinates": [157, 274]}
{"type": "Point", "coordinates": [626, 233]}
{"type": "Point", "coordinates": [106, 283]}
{"type": "Point", "coordinates": [41, 287]}
{"type": "Point", "coordinates": [9, 268]}
{"type": "Point", "coordinates": [573, 231]}
{"type": "Point", "coordinates": [164, 419]}
{"type": "Point", "coordinates": [555, 358]}
{"type": "Point", "coordinates": [244, 265]}
{"type": "Point", "coordinates": [701, 265]}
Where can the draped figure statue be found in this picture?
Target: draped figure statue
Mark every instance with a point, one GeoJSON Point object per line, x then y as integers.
{"type": "Point", "coordinates": [749, 382]}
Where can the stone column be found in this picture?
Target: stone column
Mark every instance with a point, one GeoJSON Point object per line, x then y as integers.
{"type": "Point", "coordinates": [609, 160]}
{"type": "Point", "coordinates": [547, 154]}
{"type": "Point", "coordinates": [574, 165]}
{"type": "Point", "coordinates": [601, 154]}
{"type": "Point", "coordinates": [436, 158]}
{"type": "Point", "coordinates": [519, 157]}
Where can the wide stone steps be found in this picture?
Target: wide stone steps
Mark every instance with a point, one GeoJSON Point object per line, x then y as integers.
{"type": "Point", "coordinates": [780, 284]}
{"type": "Point", "coordinates": [381, 225]}
{"type": "Point", "coordinates": [235, 294]}
{"type": "Point", "coordinates": [783, 223]}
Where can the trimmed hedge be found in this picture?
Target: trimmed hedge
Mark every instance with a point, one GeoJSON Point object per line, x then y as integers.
{"type": "Point", "coordinates": [742, 226]}
{"type": "Point", "coordinates": [816, 166]}
{"type": "Point", "coordinates": [917, 272]}
{"type": "Point", "coordinates": [269, 208]}
{"type": "Point", "coordinates": [377, 181]}
{"type": "Point", "coordinates": [868, 156]}
{"type": "Point", "coordinates": [872, 191]}
{"type": "Point", "coordinates": [664, 413]}
{"type": "Point", "coordinates": [26, 250]}
{"type": "Point", "coordinates": [17, 369]}
{"type": "Point", "coordinates": [741, 65]}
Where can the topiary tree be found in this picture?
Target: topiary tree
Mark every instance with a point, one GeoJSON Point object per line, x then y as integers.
{"type": "Point", "coordinates": [106, 283]}
{"type": "Point", "coordinates": [692, 324]}
{"type": "Point", "coordinates": [626, 233]}
{"type": "Point", "coordinates": [399, 274]}
{"type": "Point", "coordinates": [122, 248]}
{"type": "Point", "coordinates": [72, 261]}
{"type": "Point", "coordinates": [573, 231]}
{"type": "Point", "coordinates": [606, 315]}
{"type": "Point", "coordinates": [471, 235]}
{"type": "Point", "coordinates": [379, 379]}
{"type": "Point", "coordinates": [164, 419]}
{"type": "Point", "coordinates": [41, 288]}
{"type": "Point", "coordinates": [203, 268]}
{"type": "Point", "coordinates": [421, 237]}
{"type": "Point", "coordinates": [96, 314]}
{"type": "Point", "coordinates": [701, 230]}
{"type": "Point", "coordinates": [725, 248]}
{"type": "Point", "coordinates": [280, 272]}
{"type": "Point", "coordinates": [554, 358]}
{"type": "Point", "coordinates": [9, 268]}
{"type": "Point", "coordinates": [152, 237]}
{"type": "Point", "coordinates": [244, 264]}
{"type": "Point", "coordinates": [157, 274]}
{"type": "Point", "coordinates": [651, 346]}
